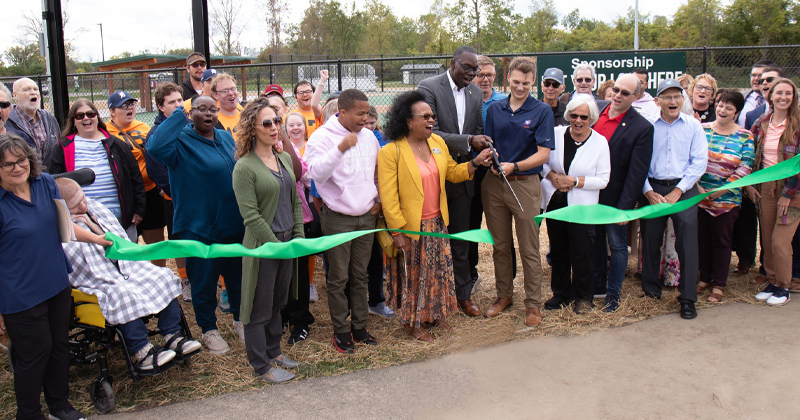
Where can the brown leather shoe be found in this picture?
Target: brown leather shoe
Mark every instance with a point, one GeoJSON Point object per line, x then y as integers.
{"type": "Point", "coordinates": [759, 279]}
{"type": "Point", "coordinates": [533, 317]}
{"type": "Point", "coordinates": [743, 268]}
{"type": "Point", "coordinates": [498, 306]}
{"type": "Point", "coordinates": [469, 308]}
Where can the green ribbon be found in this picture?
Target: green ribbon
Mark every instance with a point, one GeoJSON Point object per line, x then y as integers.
{"type": "Point", "coordinates": [123, 249]}
{"type": "Point", "coordinates": [598, 214]}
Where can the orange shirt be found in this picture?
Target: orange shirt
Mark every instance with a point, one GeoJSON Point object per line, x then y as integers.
{"type": "Point", "coordinates": [312, 122]}
{"type": "Point", "coordinates": [429, 172]}
{"type": "Point", "coordinates": [136, 134]}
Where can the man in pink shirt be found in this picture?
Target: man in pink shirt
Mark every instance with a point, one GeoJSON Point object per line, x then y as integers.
{"type": "Point", "coordinates": [341, 157]}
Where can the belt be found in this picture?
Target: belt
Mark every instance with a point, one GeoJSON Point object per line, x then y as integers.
{"type": "Point", "coordinates": [516, 177]}
{"type": "Point", "coordinates": [667, 182]}
{"type": "Point", "coordinates": [284, 235]}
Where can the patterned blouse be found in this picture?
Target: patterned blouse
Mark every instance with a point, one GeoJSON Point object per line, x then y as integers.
{"type": "Point", "coordinates": [729, 158]}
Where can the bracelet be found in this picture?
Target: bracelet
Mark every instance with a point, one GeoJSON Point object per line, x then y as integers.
{"type": "Point", "coordinates": [577, 181]}
{"type": "Point", "coordinates": [516, 168]}
{"type": "Point", "coordinates": [472, 162]}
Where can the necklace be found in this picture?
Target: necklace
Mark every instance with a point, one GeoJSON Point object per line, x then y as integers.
{"type": "Point", "coordinates": [704, 114]}
{"type": "Point", "coordinates": [279, 172]}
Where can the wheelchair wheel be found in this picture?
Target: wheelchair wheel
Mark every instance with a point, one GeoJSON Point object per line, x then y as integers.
{"type": "Point", "coordinates": [102, 395]}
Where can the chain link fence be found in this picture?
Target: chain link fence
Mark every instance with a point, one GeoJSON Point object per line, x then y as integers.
{"type": "Point", "coordinates": [383, 78]}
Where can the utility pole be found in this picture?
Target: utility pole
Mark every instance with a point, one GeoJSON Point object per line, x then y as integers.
{"type": "Point", "coordinates": [102, 43]}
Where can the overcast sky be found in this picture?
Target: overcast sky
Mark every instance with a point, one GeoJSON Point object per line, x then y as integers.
{"type": "Point", "coordinates": [152, 24]}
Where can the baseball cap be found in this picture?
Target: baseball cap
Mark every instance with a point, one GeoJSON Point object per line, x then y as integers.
{"type": "Point", "coordinates": [273, 89]}
{"type": "Point", "coordinates": [553, 73]}
{"type": "Point", "coordinates": [195, 57]}
{"type": "Point", "coordinates": [668, 84]}
{"type": "Point", "coordinates": [118, 98]}
{"type": "Point", "coordinates": [208, 74]}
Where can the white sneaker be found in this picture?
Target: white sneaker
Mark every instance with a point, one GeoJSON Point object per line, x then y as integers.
{"type": "Point", "coordinates": [186, 290]}
{"type": "Point", "coordinates": [189, 346]}
{"type": "Point", "coordinates": [779, 298]}
{"type": "Point", "coordinates": [238, 328]}
{"type": "Point", "coordinates": [215, 343]}
{"type": "Point", "coordinates": [767, 292]}
{"type": "Point", "coordinates": [313, 296]}
{"type": "Point", "coordinates": [144, 357]}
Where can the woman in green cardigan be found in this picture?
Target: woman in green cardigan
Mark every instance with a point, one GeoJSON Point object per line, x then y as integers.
{"type": "Point", "coordinates": [264, 184]}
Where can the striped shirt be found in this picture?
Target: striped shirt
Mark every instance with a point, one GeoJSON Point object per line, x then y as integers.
{"type": "Point", "coordinates": [729, 158]}
{"type": "Point", "coordinates": [92, 154]}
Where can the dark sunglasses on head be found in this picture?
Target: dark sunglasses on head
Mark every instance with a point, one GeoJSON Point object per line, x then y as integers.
{"type": "Point", "coordinates": [5, 104]}
{"type": "Point", "coordinates": [551, 84]}
{"type": "Point", "coordinates": [617, 90]}
{"type": "Point", "coordinates": [81, 115]}
{"type": "Point", "coordinates": [766, 80]}
{"type": "Point", "coordinates": [268, 123]}
{"type": "Point", "coordinates": [426, 116]}
{"type": "Point", "coordinates": [576, 116]}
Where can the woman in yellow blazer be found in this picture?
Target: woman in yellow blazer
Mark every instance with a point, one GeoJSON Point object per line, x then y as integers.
{"type": "Point", "coordinates": [412, 170]}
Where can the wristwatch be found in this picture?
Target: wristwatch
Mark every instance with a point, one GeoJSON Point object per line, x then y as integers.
{"type": "Point", "coordinates": [577, 181]}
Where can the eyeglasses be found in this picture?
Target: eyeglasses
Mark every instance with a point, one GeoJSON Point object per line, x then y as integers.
{"type": "Point", "coordinates": [551, 84]}
{"type": "Point", "coordinates": [584, 80]}
{"type": "Point", "coordinates": [426, 116]}
{"type": "Point", "coordinates": [197, 64]}
{"type": "Point", "coordinates": [81, 115]}
{"type": "Point", "coordinates": [9, 166]}
{"type": "Point", "coordinates": [617, 90]}
{"type": "Point", "coordinates": [206, 109]}
{"type": "Point", "coordinates": [268, 123]}
{"type": "Point", "coordinates": [576, 116]}
{"type": "Point", "coordinates": [5, 104]}
{"type": "Point", "coordinates": [469, 69]}
{"type": "Point", "coordinates": [703, 88]}
{"type": "Point", "coordinates": [128, 105]}
{"type": "Point", "coordinates": [226, 91]}
{"type": "Point", "coordinates": [485, 76]}
{"type": "Point", "coordinates": [766, 80]}
{"type": "Point", "coordinates": [305, 92]}
{"type": "Point", "coordinates": [670, 98]}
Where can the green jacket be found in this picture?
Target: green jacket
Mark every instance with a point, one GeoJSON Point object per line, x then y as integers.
{"type": "Point", "coordinates": [256, 190]}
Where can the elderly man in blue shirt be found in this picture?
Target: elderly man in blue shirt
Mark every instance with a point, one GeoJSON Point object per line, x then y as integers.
{"type": "Point", "coordinates": [680, 157]}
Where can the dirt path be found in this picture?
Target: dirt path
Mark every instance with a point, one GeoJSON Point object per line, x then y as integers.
{"type": "Point", "coordinates": [733, 362]}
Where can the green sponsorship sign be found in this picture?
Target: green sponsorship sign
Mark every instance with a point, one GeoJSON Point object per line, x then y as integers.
{"type": "Point", "coordinates": [660, 66]}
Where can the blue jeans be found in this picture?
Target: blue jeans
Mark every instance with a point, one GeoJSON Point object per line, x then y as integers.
{"type": "Point", "coordinates": [135, 332]}
{"type": "Point", "coordinates": [618, 241]}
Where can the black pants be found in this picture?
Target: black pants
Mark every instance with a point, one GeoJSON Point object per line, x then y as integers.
{"type": "Point", "coordinates": [296, 312]}
{"type": "Point", "coordinates": [41, 355]}
{"type": "Point", "coordinates": [714, 241]}
{"type": "Point", "coordinates": [745, 232]}
{"type": "Point", "coordinates": [475, 220]}
{"type": "Point", "coordinates": [571, 255]}
{"type": "Point", "coordinates": [686, 244]}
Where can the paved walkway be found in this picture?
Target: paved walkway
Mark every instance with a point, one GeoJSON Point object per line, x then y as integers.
{"type": "Point", "coordinates": [736, 361]}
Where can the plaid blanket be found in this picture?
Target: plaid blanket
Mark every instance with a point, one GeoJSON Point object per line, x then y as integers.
{"type": "Point", "coordinates": [125, 290]}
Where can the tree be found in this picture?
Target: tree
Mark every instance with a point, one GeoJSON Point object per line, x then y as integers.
{"type": "Point", "coordinates": [380, 25]}
{"type": "Point", "coordinates": [698, 22]}
{"type": "Point", "coordinates": [274, 11]}
{"type": "Point", "coordinates": [539, 27]}
{"type": "Point", "coordinates": [226, 27]}
{"type": "Point", "coordinates": [327, 29]}
{"type": "Point", "coordinates": [571, 20]}
{"type": "Point", "coordinates": [25, 60]}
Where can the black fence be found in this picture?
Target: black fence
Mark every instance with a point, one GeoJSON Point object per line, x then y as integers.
{"type": "Point", "coordinates": [383, 78]}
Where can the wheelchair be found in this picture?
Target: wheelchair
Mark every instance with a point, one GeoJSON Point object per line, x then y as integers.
{"type": "Point", "coordinates": [90, 339]}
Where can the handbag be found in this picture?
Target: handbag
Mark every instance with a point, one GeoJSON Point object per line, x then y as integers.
{"type": "Point", "coordinates": [385, 239]}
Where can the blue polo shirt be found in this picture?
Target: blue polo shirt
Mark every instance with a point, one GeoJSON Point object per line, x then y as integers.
{"type": "Point", "coordinates": [496, 96]}
{"type": "Point", "coordinates": [518, 134]}
{"type": "Point", "coordinates": [34, 267]}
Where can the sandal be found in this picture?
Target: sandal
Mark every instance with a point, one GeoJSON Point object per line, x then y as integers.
{"type": "Point", "coordinates": [715, 296]}
{"type": "Point", "coordinates": [443, 325]}
{"type": "Point", "coordinates": [702, 286]}
{"type": "Point", "coordinates": [419, 333]}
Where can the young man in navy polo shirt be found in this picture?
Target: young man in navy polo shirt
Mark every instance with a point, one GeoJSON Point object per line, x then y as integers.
{"type": "Point", "coordinates": [523, 129]}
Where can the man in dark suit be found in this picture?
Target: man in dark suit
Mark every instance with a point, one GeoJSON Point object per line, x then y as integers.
{"type": "Point", "coordinates": [769, 77]}
{"type": "Point", "coordinates": [630, 142]}
{"type": "Point", "coordinates": [753, 97]}
{"type": "Point", "coordinates": [458, 105]}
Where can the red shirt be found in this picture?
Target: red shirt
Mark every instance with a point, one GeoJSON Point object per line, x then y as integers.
{"type": "Point", "coordinates": [605, 125]}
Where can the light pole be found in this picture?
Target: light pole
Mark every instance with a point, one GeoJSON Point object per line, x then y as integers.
{"type": "Point", "coordinates": [103, 44]}
{"type": "Point", "coordinates": [636, 28]}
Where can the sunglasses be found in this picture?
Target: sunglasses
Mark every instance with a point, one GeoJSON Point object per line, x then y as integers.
{"type": "Point", "coordinates": [5, 104]}
{"type": "Point", "coordinates": [766, 80]}
{"type": "Point", "coordinates": [576, 116]}
{"type": "Point", "coordinates": [197, 64]}
{"type": "Point", "coordinates": [617, 90]}
{"type": "Point", "coordinates": [551, 84]}
{"type": "Point", "coordinates": [268, 123]}
{"type": "Point", "coordinates": [426, 116]}
{"type": "Point", "coordinates": [81, 115]}
{"type": "Point", "coordinates": [584, 80]}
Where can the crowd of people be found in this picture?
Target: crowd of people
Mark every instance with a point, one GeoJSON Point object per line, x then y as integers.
{"type": "Point", "coordinates": [446, 156]}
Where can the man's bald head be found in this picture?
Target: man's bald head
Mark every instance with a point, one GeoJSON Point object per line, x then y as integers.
{"type": "Point", "coordinates": [26, 95]}
{"type": "Point", "coordinates": [624, 93]}
{"type": "Point", "coordinates": [67, 188]}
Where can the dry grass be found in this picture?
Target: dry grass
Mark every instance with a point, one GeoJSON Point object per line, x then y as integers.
{"type": "Point", "coordinates": [212, 375]}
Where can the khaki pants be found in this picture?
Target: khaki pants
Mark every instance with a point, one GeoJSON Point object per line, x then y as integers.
{"type": "Point", "coordinates": [776, 236]}
{"type": "Point", "coordinates": [500, 207]}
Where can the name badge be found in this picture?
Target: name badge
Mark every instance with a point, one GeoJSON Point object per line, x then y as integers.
{"type": "Point", "coordinates": [436, 150]}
